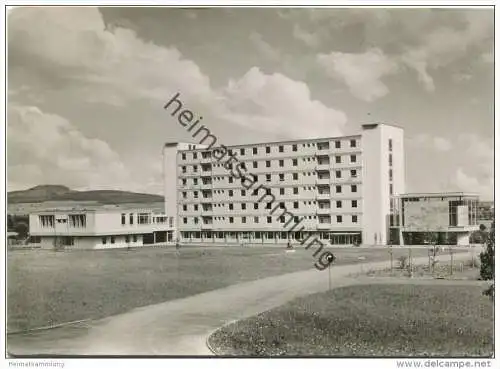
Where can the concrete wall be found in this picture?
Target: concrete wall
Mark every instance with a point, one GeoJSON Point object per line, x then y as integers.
{"type": "Point", "coordinates": [94, 242]}
{"type": "Point", "coordinates": [376, 183]}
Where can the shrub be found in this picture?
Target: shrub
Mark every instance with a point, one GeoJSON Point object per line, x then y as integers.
{"type": "Point", "coordinates": [487, 257]}
{"type": "Point", "coordinates": [403, 262]}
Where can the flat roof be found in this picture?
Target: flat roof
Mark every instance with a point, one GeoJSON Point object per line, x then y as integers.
{"type": "Point", "coordinates": [438, 194]}
{"type": "Point", "coordinates": [373, 125]}
{"type": "Point", "coordinates": [305, 140]}
{"type": "Point", "coordinates": [155, 208]}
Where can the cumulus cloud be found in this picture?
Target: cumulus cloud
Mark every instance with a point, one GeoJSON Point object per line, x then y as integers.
{"type": "Point", "coordinates": [46, 148]}
{"type": "Point", "coordinates": [276, 103]}
{"type": "Point", "coordinates": [443, 45]}
{"type": "Point", "coordinates": [309, 38]}
{"type": "Point", "coordinates": [426, 141]}
{"type": "Point", "coordinates": [113, 66]}
{"type": "Point", "coordinates": [362, 73]}
{"type": "Point", "coordinates": [476, 172]}
{"type": "Point", "coordinates": [264, 48]}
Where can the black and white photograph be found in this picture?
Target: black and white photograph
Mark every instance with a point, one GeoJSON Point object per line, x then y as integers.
{"type": "Point", "coordinates": [221, 181]}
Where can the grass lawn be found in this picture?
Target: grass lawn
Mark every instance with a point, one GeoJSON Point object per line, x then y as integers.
{"type": "Point", "coordinates": [46, 287]}
{"type": "Point", "coordinates": [371, 320]}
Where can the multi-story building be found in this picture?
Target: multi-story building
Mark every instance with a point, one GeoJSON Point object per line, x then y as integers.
{"type": "Point", "coordinates": [99, 228]}
{"type": "Point", "coordinates": [337, 188]}
{"type": "Point", "coordinates": [442, 218]}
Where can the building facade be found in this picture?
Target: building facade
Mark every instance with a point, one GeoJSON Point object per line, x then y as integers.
{"type": "Point", "coordinates": [336, 188]}
{"type": "Point", "coordinates": [99, 228]}
{"type": "Point", "coordinates": [441, 218]}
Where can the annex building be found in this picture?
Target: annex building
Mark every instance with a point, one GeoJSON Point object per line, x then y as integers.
{"type": "Point", "coordinates": [99, 227]}
{"type": "Point", "coordinates": [338, 188]}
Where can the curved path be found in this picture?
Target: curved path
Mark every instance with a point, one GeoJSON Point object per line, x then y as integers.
{"type": "Point", "coordinates": [181, 327]}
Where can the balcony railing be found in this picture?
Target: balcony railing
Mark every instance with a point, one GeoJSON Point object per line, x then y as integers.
{"type": "Point", "coordinates": [324, 211]}
{"type": "Point", "coordinates": [323, 226]}
{"type": "Point", "coordinates": [323, 195]}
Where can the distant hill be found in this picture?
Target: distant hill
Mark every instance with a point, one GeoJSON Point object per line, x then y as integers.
{"type": "Point", "coordinates": [62, 193]}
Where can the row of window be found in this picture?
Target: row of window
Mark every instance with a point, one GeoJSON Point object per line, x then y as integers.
{"type": "Point", "coordinates": [243, 206]}
{"type": "Point", "coordinates": [281, 163]}
{"type": "Point", "coordinates": [112, 239]}
{"type": "Point", "coordinates": [322, 190]}
{"type": "Point", "coordinates": [281, 219]}
{"type": "Point", "coordinates": [146, 218]}
{"type": "Point", "coordinates": [295, 176]}
{"type": "Point", "coordinates": [281, 148]}
{"type": "Point", "coordinates": [74, 220]}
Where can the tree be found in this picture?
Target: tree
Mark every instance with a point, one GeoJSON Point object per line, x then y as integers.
{"type": "Point", "coordinates": [22, 230]}
{"type": "Point", "coordinates": [487, 257]}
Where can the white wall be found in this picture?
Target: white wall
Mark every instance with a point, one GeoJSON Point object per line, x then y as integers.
{"type": "Point", "coordinates": [376, 195]}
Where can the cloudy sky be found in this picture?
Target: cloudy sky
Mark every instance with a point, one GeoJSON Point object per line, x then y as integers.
{"type": "Point", "coordinates": [86, 87]}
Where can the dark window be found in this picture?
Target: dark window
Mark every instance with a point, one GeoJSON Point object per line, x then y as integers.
{"type": "Point", "coordinates": [243, 206]}
{"type": "Point", "coordinates": [231, 206]}
{"type": "Point", "coordinates": [282, 191]}
{"type": "Point", "coordinates": [195, 156]}
{"type": "Point", "coordinates": [242, 151]}
{"type": "Point", "coordinates": [339, 218]}
{"type": "Point", "coordinates": [123, 219]}
{"type": "Point", "coordinates": [103, 240]}
{"type": "Point", "coordinates": [390, 159]}
{"type": "Point", "coordinates": [127, 239]}
{"type": "Point", "coordinates": [338, 174]}
{"type": "Point", "coordinates": [353, 173]}
{"type": "Point", "coordinates": [230, 179]}
{"type": "Point", "coordinates": [390, 174]}
{"type": "Point", "coordinates": [134, 238]}
{"type": "Point", "coordinates": [269, 219]}
{"type": "Point", "coordinates": [353, 158]}
{"type": "Point", "coordinates": [295, 176]}
{"type": "Point", "coordinates": [254, 151]}
{"type": "Point", "coordinates": [195, 168]}
{"type": "Point", "coordinates": [354, 218]}
{"type": "Point", "coordinates": [338, 189]}
{"type": "Point", "coordinates": [295, 190]}
{"type": "Point", "coordinates": [185, 220]}
{"type": "Point", "coordinates": [243, 193]}
{"type": "Point", "coordinates": [354, 188]}
{"type": "Point", "coordinates": [295, 204]}
{"type": "Point", "coordinates": [282, 163]}
{"type": "Point", "coordinates": [268, 150]}
{"type": "Point", "coordinates": [338, 160]}
{"type": "Point", "coordinates": [282, 177]}
{"type": "Point", "coordinates": [255, 205]}
{"type": "Point", "coordinates": [390, 144]}
{"type": "Point", "coordinates": [391, 189]}
{"type": "Point", "coordinates": [354, 203]}
{"type": "Point", "coordinates": [294, 162]}
{"type": "Point", "coordinates": [294, 147]}
{"type": "Point", "coordinates": [256, 219]}
{"type": "Point", "coordinates": [184, 207]}
{"type": "Point", "coordinates": [230, 193]}
{"type": "Point", "coordinates": [337, 144]}
{"type": "Point", "coordinates": [281, 148]}
{"type": "Point", "coordinates": [112, 239]}
{"type": "Point", "coordinates": [243, 219]}
{"type": "Point", "coordinates": [231, 220]}
{"type": "Point", "coordinates": [255, 164]}
{"type": "Point", "coordinates": [131, 219]}
{"type": "Point", "coordinates": [268, 177]}
{"type": "Point", "coordinates": [339, 204]}
{"type": "Point", "coordinates": [353, 143]}
{"type": "Point", "coordinates": [268, 163]}
{"type": "Point", "coordinates": [183, 156]}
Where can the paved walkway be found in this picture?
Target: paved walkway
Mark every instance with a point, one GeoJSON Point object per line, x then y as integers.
{"type": "Point", "coordinates": [181, 327]}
